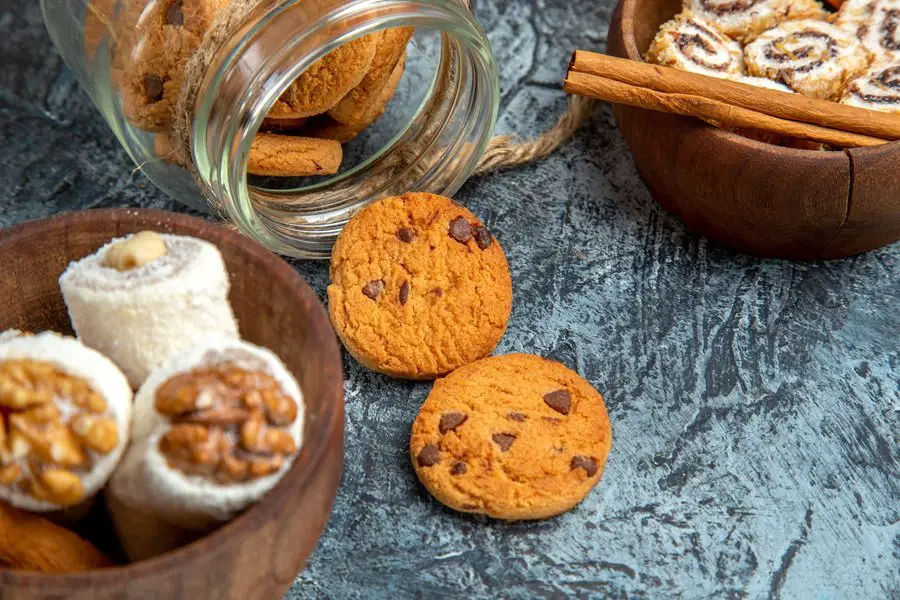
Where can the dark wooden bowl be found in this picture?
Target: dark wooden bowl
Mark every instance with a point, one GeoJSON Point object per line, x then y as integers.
{"type": "Point", "coordinates": [754, 197]}
{"type": "Point", "coordinates": [258, 554]}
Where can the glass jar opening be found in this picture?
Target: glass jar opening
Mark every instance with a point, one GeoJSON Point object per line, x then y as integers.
{"type": "Point", "coordinates": [429, 139]}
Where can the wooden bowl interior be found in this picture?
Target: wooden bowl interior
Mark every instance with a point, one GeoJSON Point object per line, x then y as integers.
{"type": "Point", "coordinates": [648, 18]}
{"type": "Point", "coordinates": [276, 309]}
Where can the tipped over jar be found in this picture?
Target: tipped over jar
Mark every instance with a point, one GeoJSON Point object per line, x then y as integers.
{"type": "Point", "coordinates": [287, 117]}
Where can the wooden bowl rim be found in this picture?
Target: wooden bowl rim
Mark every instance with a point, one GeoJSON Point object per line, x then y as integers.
{"type": "Point", "coordinates": [331, 419]}
{"type": "Point", "coordinates": [627, 19]}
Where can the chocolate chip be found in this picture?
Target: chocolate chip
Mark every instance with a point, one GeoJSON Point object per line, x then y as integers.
{"type": "Point", "coordinates": [429, 456]}
{"type": "Point", "coordinates": [560, 401]}
{"type": "Point", "coordinates": [469, 506]}
{"type": "Point", "coordinates": [438, 292]}
{"type": "Point", "coordinates": [584, 462]}
{"type": "Point", "coordinates": [373, 289]}
{"type": "Point", "coordinates": [175, 13]}
{"type": "Point", "coordinates": [516, 416]}
{"type": "Point", "coordinates": [460, 230]}
{"type": "Point", "coordinates": [404, 292]}
{"type": "Point", "coordinates": [504, 440]}
{"type": "Point", "coordinates": [450, 421]}
{"type": "Point", "coordinates": [406, 235]}
{"type": "Point", "coordinates": [153, 87]}
{"type": "Point", "coordinates": [482, 237]}
{"type": "Point", "coordinates": [458, 468]}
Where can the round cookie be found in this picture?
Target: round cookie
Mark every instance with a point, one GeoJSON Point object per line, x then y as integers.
{"type": "Point", "coordinates": [354, 110]}
{"type": "Point", "coordinates": [328, 80]}
{"type": "Point", "coordinates": [154, 53]}
{"type": "Point", "coordinates": [512, 437]}
{"type": "Point", "coordinates": [419, 287]}
{"type": "Point", "coordinates": [293, 156]}
{"type": "Point", "coordinates": [326, 127]}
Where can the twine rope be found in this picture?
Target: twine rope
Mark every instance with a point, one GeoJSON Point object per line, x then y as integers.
{"type": "Point", "coordinates": [503, 151]}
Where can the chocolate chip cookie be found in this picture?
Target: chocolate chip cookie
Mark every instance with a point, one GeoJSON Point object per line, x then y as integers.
{"type": "Point", "coordinates": [293, 156]}
{"type": "Point", "coordinates": [419, 287]}
{"type": "Point", "coordinates": [355, 108]}
{"type": "Point", "coordinates": [326, 127]}
{"type": "Point", "coordinates": [328, 80]}
{"type": "Point", "coordinates": [152, 55]}
{"type": "Point", "coordinates": [513, 437]}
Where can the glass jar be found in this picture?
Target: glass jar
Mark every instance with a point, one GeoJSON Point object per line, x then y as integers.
{"type": "Point", "coordinates": [430, 138]}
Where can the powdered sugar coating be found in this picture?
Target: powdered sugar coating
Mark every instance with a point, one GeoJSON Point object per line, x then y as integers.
{"type": "Point", "coordinates": [141, 316]}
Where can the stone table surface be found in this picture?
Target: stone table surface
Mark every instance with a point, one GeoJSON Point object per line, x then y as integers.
{"type": "Point", "coordinates": [754, 403]}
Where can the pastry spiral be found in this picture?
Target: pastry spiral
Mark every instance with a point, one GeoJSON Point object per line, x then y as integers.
{"type": "Point", "coordinates": [811, 57]}
{"type": "Point", "coordinates": [746, 19]}
{"type": "Point", "coordinates": [877, 89]}
{"type": "Point", "coordinates": [765, 83]}
{"type": "Point", "coordinates": [691, 44]}
{"type": "Point", "coordinates": [876, 24]}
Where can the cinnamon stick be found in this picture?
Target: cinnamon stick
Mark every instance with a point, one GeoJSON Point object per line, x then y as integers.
{"type": "Point", "coordinates": [714, 112]}
{"type": "Point", "coordinates": [812, 116]}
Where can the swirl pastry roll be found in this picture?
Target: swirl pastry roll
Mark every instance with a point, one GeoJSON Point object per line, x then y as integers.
{"type": "Point", "coordinates": [745, 19]}
{"type": "Point", "coordinates": [215, 428]}
{"type": "Point", "coordinates": [692, 44]}
{"type": "Point", "coordinates": [765, 83]}
{"type": "Point", "coordinates": [144, 297]}
{"type": "Point", "coordinates": [64, 418]}
{"type": "Point", "coordinates": [813, 58]}
{"type": "Point", "coordinates": [877, 89]}
{"type": "Point", "coordinates": [854, 13]}
{"type": "Point", "coordinates": [876, 24]}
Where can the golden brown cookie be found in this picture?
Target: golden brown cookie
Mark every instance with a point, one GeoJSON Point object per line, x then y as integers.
{"type": "Point", "coordinates": [324, 126]}
{"type": "Point", "coordinates": [282, 125]}
{"type": "Point", "coordinates": [293, 156]}
{"type": "Point", "coordinates": [357, 105]}
{"type": "Point", "coordinates": [419, 287]}
{"type": "Point", "coordinates": [512, 437]}
{"type": "Point", "coordinates": [165, 151]}
{"type": "Point", "coordinates": [329, 79]}
{"type": "Point", "coordinates": [154, 53]}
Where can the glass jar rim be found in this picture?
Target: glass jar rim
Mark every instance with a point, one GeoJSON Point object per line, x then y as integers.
{"type": "Point", "coordinates": [250, 74]}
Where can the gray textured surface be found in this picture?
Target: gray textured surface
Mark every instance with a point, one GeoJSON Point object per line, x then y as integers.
{"type": "Point", "coordinates": [755, 404]}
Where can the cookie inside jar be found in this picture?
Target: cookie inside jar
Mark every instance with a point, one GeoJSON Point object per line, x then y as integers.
{"type": "Point", "coordinates": [227, 423]}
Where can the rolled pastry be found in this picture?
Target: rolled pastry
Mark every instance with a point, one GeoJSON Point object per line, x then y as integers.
{"type": "Point", "coordinates": [142, 298]}
{"type": "Point", "coordinates": [215, 428]}
{"type": "Point", "coordinates": [9, 335]}
{"type": "Point", "coordinates": [877, 25]}
{"type": "Point", "coordinates": [813, 58]}
{"type": "Point", "coordinates": [765, 83]}
{"type": "Point", "coordinates": [877, 89]}
{"type": "Point", "coordinates": [65, 420]}
{"type": "Point", "coordinates": [691, 44]}
{"type": "Point", "coordinates": [745, 19]}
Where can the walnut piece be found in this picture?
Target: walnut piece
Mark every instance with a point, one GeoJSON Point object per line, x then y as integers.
{"type": "Point", "coordinates": [228, 423]}
{"type": "Point", "coordinates": [42, 452]}
{"type": "Point", "coordinates": [135, 252]}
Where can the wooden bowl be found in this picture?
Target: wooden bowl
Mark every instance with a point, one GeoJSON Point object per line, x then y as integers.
{"type": "Point", "coordinates": [757, 198]}
{"type": "Point", "coordinates": [258, 554]}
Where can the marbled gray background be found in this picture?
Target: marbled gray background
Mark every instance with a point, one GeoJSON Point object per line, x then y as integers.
{"type": "Point", "coordinates": [755, 404]}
